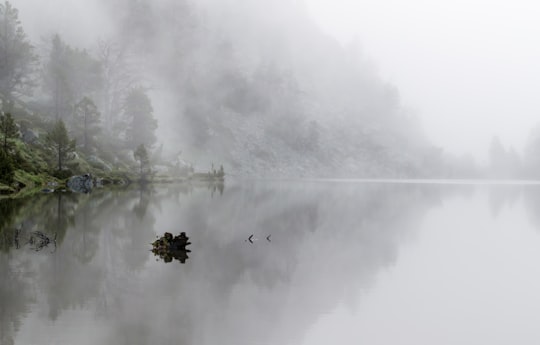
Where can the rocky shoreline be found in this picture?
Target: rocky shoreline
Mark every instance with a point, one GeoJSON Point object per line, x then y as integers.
{"type": "Point", "coordinates": [85, 183]}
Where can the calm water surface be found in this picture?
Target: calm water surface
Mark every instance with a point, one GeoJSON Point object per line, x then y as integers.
{"type": "Point", "coordinates": [347, 263]}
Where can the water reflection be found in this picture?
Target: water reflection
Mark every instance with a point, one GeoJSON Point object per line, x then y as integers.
{"type": "Point", "coordinates": [169, 247]}
{"type": "Point", "coordinates": [327, 242]}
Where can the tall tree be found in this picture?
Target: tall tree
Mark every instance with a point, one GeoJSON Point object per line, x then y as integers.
{"type": "Point", "coordinates": [68, 75]}
{"type": "Point", "coordinates": [59, 140]}
{"type": "Point", "coordinates": [141, 155]}
{"type": "Point", "coordinates": [55, 77]}
{"type": "Point", "coordinates": [119, 77]}
{"type": "Point", "coordinates": [86, 121]}
{"type": "Point", "coordinates": [17, 57]}
{"type": "Point", "coordinates": [141, 125]}
{"type": "Point", "coordinates": [8, 130]}
{"type": "Point", "coordinates": [6, 168]}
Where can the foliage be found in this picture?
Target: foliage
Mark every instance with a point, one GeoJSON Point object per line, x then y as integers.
{"type": "Point", "coordinates": [8, 130]}
{"type": "Point", "coordinates": [17, 58]}
{"type": "Point", "coordinates": [86, 122]}
{"type": "Point", "coordinates": [141, 125]}
{"type": "Point", "coordinates": [59, 140]}
{"type": "Point", "coordinates": [141, 155]}
{"type": "Point", "coordinates": [6, 168]}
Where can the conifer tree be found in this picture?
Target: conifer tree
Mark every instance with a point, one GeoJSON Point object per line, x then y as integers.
{"type": "Point", "coordinates": [141, 125]}
{"type": "Point", "coordinates": [59, 140]}
{"type": "Point", "coordinates": [8, 130]}
{"type": "Point", "coordinates": [6, 168]}
{"type": "Point", "coordinates": [17, 58]}
{"type": "Point", "coordinates": [141, 155]}
{"type": "Point", "coordinates": [87, 119]}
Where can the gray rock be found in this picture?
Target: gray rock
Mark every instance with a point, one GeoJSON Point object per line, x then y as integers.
{"type": "Point", "coordinates": [81, 184]}
{"type": "Point", "coordinates": [29, 136]}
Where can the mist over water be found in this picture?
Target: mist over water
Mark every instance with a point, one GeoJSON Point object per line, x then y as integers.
{"type": "Point", "coordinates": [404, 257]}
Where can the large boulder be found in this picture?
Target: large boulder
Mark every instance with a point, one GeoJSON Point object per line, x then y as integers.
{"type": "Point", "coordinates": [81, 183]}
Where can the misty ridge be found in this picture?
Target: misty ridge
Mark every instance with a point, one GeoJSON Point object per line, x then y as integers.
{"type": "Point", "coordinates": [254, 85]}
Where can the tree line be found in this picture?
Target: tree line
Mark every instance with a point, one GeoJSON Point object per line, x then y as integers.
{"type": "Point", "coordinates": [93, 101]}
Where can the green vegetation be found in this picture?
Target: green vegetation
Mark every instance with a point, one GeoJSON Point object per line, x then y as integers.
{"type": "Point", "coordinates": [47, 139]}
{"type": "Point", "coordinates": [8, 130]}
{"type": "Point", "coordinates": [6, 168]}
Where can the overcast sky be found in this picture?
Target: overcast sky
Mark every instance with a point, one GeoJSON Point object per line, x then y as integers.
{"type": "Point", "coordinates": [470, 68]}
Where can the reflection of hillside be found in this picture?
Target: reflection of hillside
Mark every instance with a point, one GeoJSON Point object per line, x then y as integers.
{"type": "Point", "coordinates": [328, 241]}
{"type": "Point", "coordinates": [531, 197]}
{"type": "Point", "coordinates": [503, 196]}
{"type": "Point", "coordinates": [15, 297]}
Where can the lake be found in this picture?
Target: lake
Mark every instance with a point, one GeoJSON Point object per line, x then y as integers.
{"type": "Point", "coordinates": [332, 262]}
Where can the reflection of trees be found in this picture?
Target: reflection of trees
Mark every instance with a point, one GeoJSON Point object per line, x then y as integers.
{"type": "Point", "coordinates": [62, 216]}
{"type": "Point", "coordinates": [68, 278]}
{"type": "Point", "coordinates": [74, 283]}
{"type": "Point", "coordinates": [86, 244]}
{"type": "Point", "coordinates": [531, 196]}
{"type": "Point", "coordinates": [327, 240]}
{"type": "Point", "coordinates": [138, 230]}
{"type": "Point", "coordinates": [15, 298]}
{"type": "Point", "coordinates": [501, 196]}
{"type": "Point", "coordinates": [8, 232]}
{"type": "Point", "coordinates": [507, 195]}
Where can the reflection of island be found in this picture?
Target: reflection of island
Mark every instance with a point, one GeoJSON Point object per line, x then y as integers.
{"type": "Point", "coordinates": [169, 247]}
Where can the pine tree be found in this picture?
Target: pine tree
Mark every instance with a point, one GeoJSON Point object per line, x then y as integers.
{"type": "Point", "coordinates": [141, 125]}
{"type": "Point", "coordinates": [68, 75]}
{"type": "Point", "coordinates": [6, 168]}
{"type": "Point", "coordinates": [17, 58]}
{"type": "Point", "coordinates": [8, 130]}
{"type": "Point", "coordinates": [141, 155]}
{"type": "Point", "coordinates": [61, 143]}
{"type": "Point", "coordinates": [87, 119]}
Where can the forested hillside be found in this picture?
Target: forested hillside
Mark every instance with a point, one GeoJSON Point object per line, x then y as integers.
{"type": "Point", "coordinates": [262, 88]}
{"type": "Point", "coordinates": [257, 87]}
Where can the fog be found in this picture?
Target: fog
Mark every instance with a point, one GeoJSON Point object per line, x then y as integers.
{"type": "Point", "coordinates": [338, 167]}
{"type": "Point", "coordinates": [468, 67]}
{"type": "Point", "coordinates": [319, 88]}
